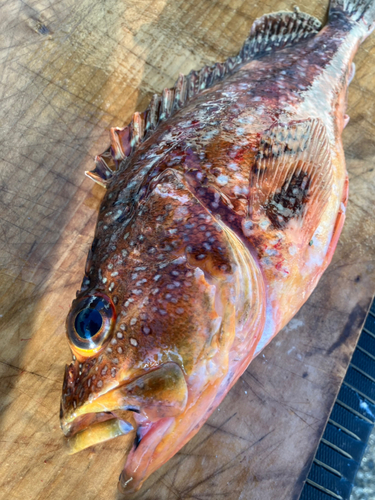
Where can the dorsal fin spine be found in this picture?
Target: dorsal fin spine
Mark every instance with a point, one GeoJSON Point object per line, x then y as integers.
{"type": "Point", "coordinates": [153, 111]}
{"type": "Point", "coordinates": [137, 129]}
{"type": "Point", "coordinates": [193, 80]}
{"type": "Point", "coordinates": [167, 99]}
{"type": "Point", "coordinates": [180, 92]}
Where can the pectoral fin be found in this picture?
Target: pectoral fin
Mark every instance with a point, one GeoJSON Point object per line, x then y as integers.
{"type": "Point", "coordinates": [291, 178]}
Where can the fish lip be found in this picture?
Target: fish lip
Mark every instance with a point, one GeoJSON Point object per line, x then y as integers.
{"type": "Point", "coordinates": [101, 430]}
{"type": "Point", "coordinates": [82, 422]}
{"type": "Point", "coordinates": [71, 423]}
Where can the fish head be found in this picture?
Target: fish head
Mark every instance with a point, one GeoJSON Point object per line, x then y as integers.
{"type": "Point", "coordinates": [153, 326]}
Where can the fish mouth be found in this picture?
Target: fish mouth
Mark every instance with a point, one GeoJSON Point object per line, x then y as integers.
{"type": "Point", "coordinates": [132, 409]}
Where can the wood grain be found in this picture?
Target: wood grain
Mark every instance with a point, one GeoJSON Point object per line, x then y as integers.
{"type": "Point", "coordinates": [69, 71]}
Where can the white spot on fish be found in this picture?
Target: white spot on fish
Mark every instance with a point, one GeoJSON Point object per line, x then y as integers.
{"type": "Point", "coordinates": [264, 224]}
{"type": "Point", "coordinates": [233, 166]}
{"type": "Point", "coordinates": [222, 180]}
{"type": "Point", "coordinates": [247, 226]}
{"type": "Point", "coordinates": [272, 251]}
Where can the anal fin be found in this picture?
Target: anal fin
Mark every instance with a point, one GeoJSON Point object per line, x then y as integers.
{"type": "Point", "coordinates": [291, 179]}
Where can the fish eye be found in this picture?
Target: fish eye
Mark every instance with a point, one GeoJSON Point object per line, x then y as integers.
{"type": "Point", "coordinates": [90, 323]}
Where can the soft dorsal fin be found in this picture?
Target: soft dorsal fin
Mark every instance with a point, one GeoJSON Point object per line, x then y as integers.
{"type": "Point", "coordinates": [292, 175]}
{"type": "Point", "coordinates": [277, 31]}
{"type": "Point", "coordinates": [268, 33]}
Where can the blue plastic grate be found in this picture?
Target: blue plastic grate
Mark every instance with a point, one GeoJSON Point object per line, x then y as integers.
{"type": "Point", "coordinates": [349, 426]}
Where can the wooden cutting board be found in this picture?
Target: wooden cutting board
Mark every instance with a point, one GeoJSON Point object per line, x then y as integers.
{"type": "Point", "coordinates": [70, 69]}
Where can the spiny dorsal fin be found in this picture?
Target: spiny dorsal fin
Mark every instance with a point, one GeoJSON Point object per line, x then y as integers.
{"type": "Point", "coordinates": [292, 175]}
{"type": "Point", "coordinates": [268, 33]}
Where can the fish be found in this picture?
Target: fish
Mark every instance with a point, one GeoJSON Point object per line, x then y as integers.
{"type": "Point", "coordinates": [223, 207]}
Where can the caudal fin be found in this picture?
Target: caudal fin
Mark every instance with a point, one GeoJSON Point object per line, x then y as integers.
{"type": "Point", "coordinates": [360, 11]}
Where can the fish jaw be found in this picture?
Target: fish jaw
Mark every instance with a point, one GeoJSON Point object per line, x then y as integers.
{"type": "Point", "coordinates": [101, 432]}
{"type": "Point", "coordinates": [130, 408]}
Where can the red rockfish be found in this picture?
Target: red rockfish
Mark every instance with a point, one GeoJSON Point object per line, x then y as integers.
{"type": "Point", "coordinates": [225, 201]}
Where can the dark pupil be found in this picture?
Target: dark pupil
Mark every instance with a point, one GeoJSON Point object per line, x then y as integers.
{"type": "Point", "coordinates": [88, 322]}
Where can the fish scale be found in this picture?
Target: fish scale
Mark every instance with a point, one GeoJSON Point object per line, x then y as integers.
{"type": "Point", "coordinates": [225, 201]}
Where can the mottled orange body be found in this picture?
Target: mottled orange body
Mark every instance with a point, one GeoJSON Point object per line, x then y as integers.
{"type": "Point", "coordinates": [224, 211]}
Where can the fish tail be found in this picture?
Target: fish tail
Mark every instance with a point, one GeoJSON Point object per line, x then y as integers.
{"type": "Point", "coordinates": [360, 11]}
